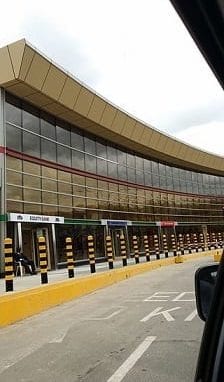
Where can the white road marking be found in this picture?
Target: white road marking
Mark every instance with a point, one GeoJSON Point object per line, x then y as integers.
{"type": "Point", "coordinates": [165, 313]}
{"type": "Point", "coordinates": [160, 296]}
{"type": "Point", "coordinates": [191, 316]}
{"type": "Point", "coordinates": [131, 360]}
{"type": "Point", "coordinates": [107, 317]}
{"type": "Point", "coordinates": [179, 297]}
{"type": "Point", "coordinates": [59, 339]}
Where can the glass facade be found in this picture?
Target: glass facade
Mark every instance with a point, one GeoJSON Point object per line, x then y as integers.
{"type": "Point", "coordinates": [67, 172]}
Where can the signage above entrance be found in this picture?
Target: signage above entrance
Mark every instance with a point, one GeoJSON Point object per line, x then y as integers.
{"type": "Point", "coordinates": [25, 218]}
{"type": "Point", "coordinates": [118, 223]}
{"type": "Point", "coordinates": [166, 223]}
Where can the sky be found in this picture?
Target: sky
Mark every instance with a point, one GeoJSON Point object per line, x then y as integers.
{"type": "Point", "coordinates": [136, 53]}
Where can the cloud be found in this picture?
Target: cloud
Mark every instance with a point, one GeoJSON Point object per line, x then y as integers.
{"type": "Point", "coordinates": [208, 136]}
{"type": "Point", "coordinates": [140, 57]}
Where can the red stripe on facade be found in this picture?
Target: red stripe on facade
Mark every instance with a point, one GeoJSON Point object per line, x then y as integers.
{"type": "Point", "coordinates": [71, 170]}
{"type": "Point", "coordinates": [2, 149]}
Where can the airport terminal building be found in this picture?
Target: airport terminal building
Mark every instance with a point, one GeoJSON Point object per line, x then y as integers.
{"type": "Point", "coordinates": [74, 164]}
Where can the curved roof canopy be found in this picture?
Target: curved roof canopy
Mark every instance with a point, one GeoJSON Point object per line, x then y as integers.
{"type": "Point", "coordinates": [28, 74]}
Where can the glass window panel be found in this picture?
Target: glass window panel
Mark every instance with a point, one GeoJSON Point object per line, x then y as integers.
{"type": "Point", "coordinates": [147, 165]}
{"type": "Point", "coordinates": [90, 163]}
{"type": "Point", "coordinates": [183, 186]}
{"type": "Point", "coordinates": [162, 169]}
{"type": "Point", "coordinates": [31, 181]}
{"type": "Point", "coordinates": [49, 210]}
{"type": "Point", "coordinates": [14, 163]}
{"type": "Point", "coordinates": [101, 150]}
{"type": "Point", "coordinates": [14, 177]}
{"type": "Point", "coordinates": [32, 208]}
{"type": "Point", "coordinates": [31, 144]}
{"type": "Point", "coordinates": [131, 175]}
{"type": "Point", "coordinates": [78, 160]}
{"type": "Point", "coordinates": [48, 150]}
{"type": "Point", "coordinates": [111, 153]}
{"type": "Point", "coordinates": [49, 198]}
{"type": "Point", "coordinates": [31, 195]}
{"type": "Point", "coordinates": [148, 179]}
{"type": "Point", "coordinates": [194, 176]}
{"type": "Point", "coordinates": [48, 126]}
{"type": "Point", "coordinates": [155, 180]}
{"type": "Point", "coordinates": [101, 167]}
{"type": "Point", "coordinates": [121, 157]}
{"type": "Point", "coordinates": [49, 172]}
{"type": "Point", "coordinates": [163, 181]}
{"type": "Point", "coordinates": [139, 177]}
{"type": "Point", "coordinates": [64, 187]}
{"type": "Point", "coordinates": [63, 134]}
{"type": "Point", "coordinates": [123, 196]}
{"type": "Point", "coordinates": [130, 160]}
{"type": "Point", "coordinates": [13, 137]}
{"type": "Point", "coordinates": [90, 146]}
{"type": "Point", "coordinates": [139, 163]}
{"type": "Point", "coordinates": [64, 155]}
{"type": "Point", "coordinates": [14, 206]}
{"type": "Point", "coordinates": [31, 121]}
{"type": "Point", "coordinates": [48, 184]}
{"type": "Point", "coordinates": [31, 168]}
{"type": "Point", "coordinates": [169, 171]}
{"type": "Point", "coordinates": [112, 170]}
{"type": "Point", "coordinates": [169, 183]}
{"type": "Point", "coordinates": [65, 200]}
{"type": "Point", "coordinates": [77, 140]}
{"type": "Point", "coordinates": [13, 112]}
{"type": "Point", "coordinates": [122, 172]}
{"type": "Point", "coordinates": [15, 193]}
{"type": "Point", "coordinates": [155, 167]}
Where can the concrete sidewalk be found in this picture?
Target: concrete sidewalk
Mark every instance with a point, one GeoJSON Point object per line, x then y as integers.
{"type": "Point", "coordinates": [32, 281]}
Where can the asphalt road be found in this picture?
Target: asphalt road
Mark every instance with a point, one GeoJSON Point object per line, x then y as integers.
{"type": "Point", "coordinates": [142, 329]}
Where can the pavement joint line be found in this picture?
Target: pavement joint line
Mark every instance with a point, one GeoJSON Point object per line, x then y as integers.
{"type": "Point", "coordinates": [15, 306]}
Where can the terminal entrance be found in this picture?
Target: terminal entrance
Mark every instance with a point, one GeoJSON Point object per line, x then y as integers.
{"type": "Point", "coordinates": [30, 244]}
{"type": "Point", "coordinates": [115, 234]}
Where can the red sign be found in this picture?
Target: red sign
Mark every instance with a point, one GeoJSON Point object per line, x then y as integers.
{"type": "Point", "coordinates": [166, 223]}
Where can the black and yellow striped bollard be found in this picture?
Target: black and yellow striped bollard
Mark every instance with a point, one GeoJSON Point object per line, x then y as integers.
{"type": "Point", "coordinates": [208, 241]}
{"type": "Point", "coordinates": [213, 239]}
{"type": "Point", "coordinates": [8, 265]}
{"type": "Point", "coordinates": [201, 239]}
{"type": "Point", "coordinates": [156, 246]}
{"type": "Point", "coordinates": [188, 241]}
{"type": "Point", "coordinates": [146, 246]}
{"type": "Point", "coordinates": [181, 243]}
{"type": "Point", "coordinates": [165, 246]}
{"type": "Point", "coordinates": [69, 255]}
{"type": "Point", "coordinates": [135, 247]}
{"type": "Point", "coordinates": [174, 244]}
{"type": "Point", "coordinates": [123, 250]}
{"type": "Point", "coordinates": [43, 259]}
{"type": "Point", "coordinates": [91, 254]}
{"type": "Point", "coordinates": [109, 252]}
{"type": "Point", "coordinates": [195, 242]}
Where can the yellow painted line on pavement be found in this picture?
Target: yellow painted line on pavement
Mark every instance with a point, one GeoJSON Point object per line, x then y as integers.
{"type": "Point", "coordinates": [16, 306]}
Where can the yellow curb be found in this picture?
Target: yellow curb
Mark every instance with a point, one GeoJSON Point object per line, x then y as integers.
{"type": "Point", "coordinates": [16, 306]}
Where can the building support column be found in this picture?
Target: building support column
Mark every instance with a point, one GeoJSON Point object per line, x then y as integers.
{"type": "Point", "coordinates": [2, 181]}
{"type": "Point", "coordinates": [54, 246]}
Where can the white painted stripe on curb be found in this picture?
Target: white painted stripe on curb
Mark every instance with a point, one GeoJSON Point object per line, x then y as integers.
{"type": "Point", "coordinates": [131, 360]}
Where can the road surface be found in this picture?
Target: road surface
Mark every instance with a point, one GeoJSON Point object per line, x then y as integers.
{"type": "Point", "coordinates": [142, 329]}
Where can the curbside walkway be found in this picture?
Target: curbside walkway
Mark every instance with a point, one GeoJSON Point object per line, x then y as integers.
{"type": "Point", "coordinates": [15, 306]}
